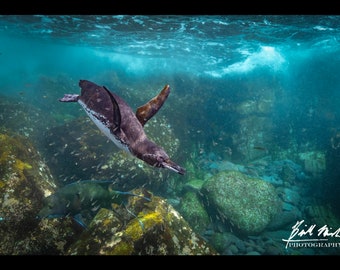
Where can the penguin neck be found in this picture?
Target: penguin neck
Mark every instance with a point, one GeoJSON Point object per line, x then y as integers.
{"type": "Point", "coordinates": [144, 148]}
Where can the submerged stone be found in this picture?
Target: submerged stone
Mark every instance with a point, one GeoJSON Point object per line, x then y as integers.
{"type": "Point", "coordinates": [247, 203]}
{"type": "Point", "coordinates": [25, 181]}
{"type": "Point", "coordinates": [194, 212]}
{"type": "Point", "coordinates": [25, 178]}
{"type": "Point", "coordinates": [146, 228]}
{"type": "Point", "coordinates": [314, 162]}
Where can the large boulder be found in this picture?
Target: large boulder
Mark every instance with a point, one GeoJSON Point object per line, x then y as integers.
{"type": "Point", "coordinates": [24, 181]}
{"type": "Point", "coordinates": [248, 204]}
{"type": "Point", "coordinates": [194, 212]}
{"type": "Point", "coordinates": [144, 228]}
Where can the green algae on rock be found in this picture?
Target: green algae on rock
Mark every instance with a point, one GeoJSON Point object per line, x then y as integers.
{"type": "Point", "coordinates": [25, 181]}
{"type": "Point", "coordinates": [247, 203]}
{"type": "Point", "coordinates": [25, 178]}
{"type": "Point", "coordinates": [194, 212]}
{"type": "Point", "coordinates": [157, 229]}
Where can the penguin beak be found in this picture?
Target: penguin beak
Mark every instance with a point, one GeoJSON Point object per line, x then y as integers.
{"type": "Point", "coordinates": [172, 166]}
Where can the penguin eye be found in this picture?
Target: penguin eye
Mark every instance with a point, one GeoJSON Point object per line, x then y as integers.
{"type": "Point", "coordinates": [160, 159]}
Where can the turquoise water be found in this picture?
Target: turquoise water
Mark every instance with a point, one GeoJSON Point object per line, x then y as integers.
{"type": "Point", "coordinates": [258, 95]}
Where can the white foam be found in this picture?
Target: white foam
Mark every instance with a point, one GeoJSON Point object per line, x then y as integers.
{"type": "Point", "coordinates": [267, 57]}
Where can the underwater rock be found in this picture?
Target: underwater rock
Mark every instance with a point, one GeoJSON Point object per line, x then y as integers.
{"type": "Point", "coordinates": [284, 218]}
{"type": "Point", "coordinates": [194, 212]}
{"type": "Point", "coordinates": [246, 107]}
{"type": "Point", "coordinates": [25, 178]}
{"type": "Point", "coordinates": [251, 106]}
{"type": "Point", "coordinates": [24, 181]}
{"type": "Point", "coordinates": [223, 241]}
{"type": "Point", "coordinates": [320, 213]}
{"type": "Point", "coordinates": [247, 203]}
{"type": "Point", "coordinates": [225, 165]}
{"type": "Point", "coordinates": [193, 185]}
{"type": "Point", "coordinates": [287, 174]}
{"type": "Point", "coordinates": [288, 195]}
{"type": "Point", "coordinates": [314, 162]}
{"type": "Point", "coordinates": [253, 138]}
{"type": "Point", "coordinates": [144, 228]}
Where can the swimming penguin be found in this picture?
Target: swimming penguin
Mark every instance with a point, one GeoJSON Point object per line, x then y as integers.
{"type": "Point", "coordinates": [115, 118]}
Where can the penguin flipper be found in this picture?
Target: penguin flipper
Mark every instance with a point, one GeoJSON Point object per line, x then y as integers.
{"type": "Point", "coordinates": [145, 112]}
{"type": "Point", "coordinates": [116, 117]}
{"type": "Point", "coordinates": [99, 102]}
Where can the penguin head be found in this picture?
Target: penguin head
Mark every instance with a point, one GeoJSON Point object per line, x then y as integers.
{"type": "Point", "coordinates": [157, 157]}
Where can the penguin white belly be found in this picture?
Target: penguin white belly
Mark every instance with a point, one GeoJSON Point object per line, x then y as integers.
{"type": "Point", "coordinates": [95, 117]}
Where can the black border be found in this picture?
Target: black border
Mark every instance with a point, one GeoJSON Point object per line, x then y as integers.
{"type": "Point", "coordinates": [159, 7]}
